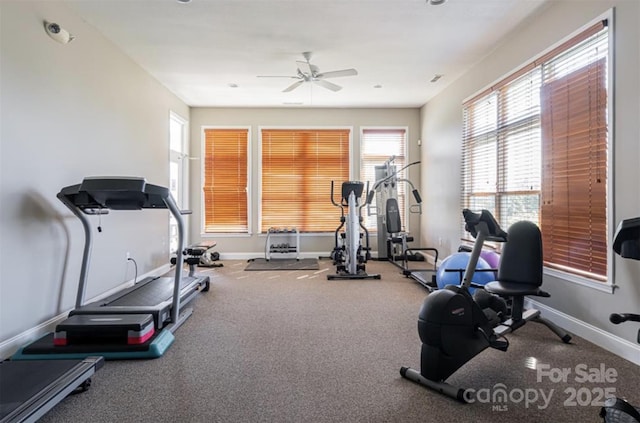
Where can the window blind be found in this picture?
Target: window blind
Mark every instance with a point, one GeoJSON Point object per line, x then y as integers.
{"type": "Point", "coordinates": [297, 169]}
{"type": "Point", "coordinates": [574, 206]}
{"type": "Point", "coordinates": [225, 181]}
{"type": "Point", "coordinates": [376, 146]}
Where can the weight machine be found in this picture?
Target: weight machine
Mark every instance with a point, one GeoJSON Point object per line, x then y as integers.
{"type": "Point", "coordinates": [393, 242]}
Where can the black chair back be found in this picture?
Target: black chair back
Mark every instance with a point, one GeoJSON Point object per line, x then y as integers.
{"type": "Point", "coordinates": [521, 258]}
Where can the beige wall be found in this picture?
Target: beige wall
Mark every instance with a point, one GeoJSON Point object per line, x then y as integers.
{"type": "Point", "coordinates": [70, 111]}
{"type": "Point", "coordinates": [254, 245]}
{"type": "Point", "coordinates": [441, 121]}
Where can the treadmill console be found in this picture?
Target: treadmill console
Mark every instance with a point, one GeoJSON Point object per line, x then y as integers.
{"type": "Point", "coordinates": [115, 193]}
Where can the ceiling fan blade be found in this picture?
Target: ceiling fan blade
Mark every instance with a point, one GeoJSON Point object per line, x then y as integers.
{"type": "Point", "coordinates": [293, 86]}
{"type": "Point", "coordinates": [328, 85]}
{"type": "Point", "coordinates": [276, 76]}
{"type": "Point", "coordinates": [338, 73]}
{"type": "Point", "coordinates": [305, 67]}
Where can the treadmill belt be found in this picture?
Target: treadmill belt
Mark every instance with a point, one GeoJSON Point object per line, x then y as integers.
{"type": "Point", "coordinates": [20, 380]}
{"type": "Point", "coordinates": [152, 293]}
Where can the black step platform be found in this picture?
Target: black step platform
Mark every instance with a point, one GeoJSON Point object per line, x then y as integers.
{"type": "Point", "coordinates": [126, 329]}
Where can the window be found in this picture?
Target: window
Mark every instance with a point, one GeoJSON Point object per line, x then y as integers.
{"type": "Point", "coordinates": [225, 174]}
{"type": "Point", "coordinates": [298, 166]}
{"type": "Point", "coordinates": [535, 147]}
{"type": "Point", "coordinates": [376, 147]}
{"type": "Point", "coordinates": [177, 173]}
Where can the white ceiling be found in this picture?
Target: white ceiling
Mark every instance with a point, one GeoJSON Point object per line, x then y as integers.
{"type": "Point", "coordinates": [198, 50]}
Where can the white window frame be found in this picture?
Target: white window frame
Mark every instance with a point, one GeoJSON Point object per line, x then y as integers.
{"type": "Point", "coordinates": [405, 212]}
{"type": "Point", "coordinates": [181, 158]}
{"type": "Point", "coordinates": [248, 188]}
{"type": "Point", "coordinates": [608, 286]}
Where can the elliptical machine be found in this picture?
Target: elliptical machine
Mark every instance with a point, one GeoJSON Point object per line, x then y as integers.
{"type": "Point", "coordinates": [454, 328]}
{"type": "Point", "coordinates": [626, 243]}
{"type": "Point", "coordinates": [349, 256]}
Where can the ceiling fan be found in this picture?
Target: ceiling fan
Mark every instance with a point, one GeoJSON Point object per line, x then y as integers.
{"type": "Point", "coordinates": [310, 73]}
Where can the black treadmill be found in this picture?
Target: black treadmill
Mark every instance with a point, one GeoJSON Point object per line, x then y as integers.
{"type": "Point", "coordinates": [137, 322]}
{"type": "Point", "coordinates": [28, 389]}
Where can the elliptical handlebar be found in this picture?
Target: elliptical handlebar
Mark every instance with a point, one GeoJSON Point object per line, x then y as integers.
{"type": "Point", "coordinates": [366, 190]}
{"type": "Point", "coordinates": [332, 200]}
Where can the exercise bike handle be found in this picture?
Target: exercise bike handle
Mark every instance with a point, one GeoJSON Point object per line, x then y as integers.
{"type": "Point", "coordinates": [617, 318]}
{"type": "Point", "coordinates": [484, 219]}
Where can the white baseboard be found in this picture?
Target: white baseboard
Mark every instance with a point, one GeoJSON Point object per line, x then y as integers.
{"type": "Point", "coordinates": [11, 345]}
{"type": "Point", "coordinates": [619, 346]}
{"type": "Point", "coordinates": [248, 256]}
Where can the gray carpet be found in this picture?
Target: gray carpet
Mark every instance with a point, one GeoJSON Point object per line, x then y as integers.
{"type": "Point", "coordinates": [294, 347]}
{"type": "Point", "coordinates": [260, 264]}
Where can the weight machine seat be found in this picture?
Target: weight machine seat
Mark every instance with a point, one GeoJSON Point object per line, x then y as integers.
{"type": "Point", "coordinates": [394, 221]}
{"type": "Point", "coordinates": [394, 224]}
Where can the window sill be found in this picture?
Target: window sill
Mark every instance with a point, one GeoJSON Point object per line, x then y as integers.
{"type": "Point", "coordinates": [225, 235]}
{"type": "Point", "coordinates": [303, 234]}
{"type": "Point", "coordinates": [578, 280]}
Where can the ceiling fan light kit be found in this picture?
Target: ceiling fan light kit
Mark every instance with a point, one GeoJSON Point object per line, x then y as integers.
{"type": "Point", "coordinates": [308, 72]}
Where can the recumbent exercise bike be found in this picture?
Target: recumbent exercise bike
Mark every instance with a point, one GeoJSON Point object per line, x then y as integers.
{"type": "Point", "coordinates": [454, 328]}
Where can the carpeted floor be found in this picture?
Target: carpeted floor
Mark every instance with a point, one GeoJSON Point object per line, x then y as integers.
{"type": "Point", "coordinates": [259, 264]}
{"type": "Point", "coordinates": [291, 346]}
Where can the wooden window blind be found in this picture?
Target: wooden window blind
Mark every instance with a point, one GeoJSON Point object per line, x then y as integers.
{"type": "Point", "coordinates": [225, 180]}
{"type": "Point", "coordinates": [297, 169]}
{"type": "Point", "coordinates": [376, 146]}
{"type": "Point", "coordinates": [535, 148]}
{"type": "Point", "coordinates": [574, 194]}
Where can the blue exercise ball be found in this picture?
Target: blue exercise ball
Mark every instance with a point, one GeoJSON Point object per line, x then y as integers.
{"type": "Point", "coordinates": [452, 269]}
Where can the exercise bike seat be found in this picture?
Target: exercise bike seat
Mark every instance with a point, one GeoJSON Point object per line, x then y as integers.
{"type": "Point", "coordinates": [520, 270]}
{"type": "Point", "coordinates": [510, 289]}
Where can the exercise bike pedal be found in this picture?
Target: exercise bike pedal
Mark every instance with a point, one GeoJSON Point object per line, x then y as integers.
{"type": "Point", "coordinates": [499, 344]}
{"type": "Point", "coordinates": [495, 342]}
{"type": "Point", "coordinates": [617, 410]}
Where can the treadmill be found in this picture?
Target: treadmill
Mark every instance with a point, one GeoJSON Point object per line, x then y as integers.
{"type": "Point", "coordinates": [137, 322]}
{"type": "Point", "coordinates": [29, 389]}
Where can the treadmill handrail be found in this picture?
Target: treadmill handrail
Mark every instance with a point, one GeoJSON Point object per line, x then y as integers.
{"type": "Point", "coordinates": [173, 207]}
{"type": "Point", "coordinates": [86, 252]}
